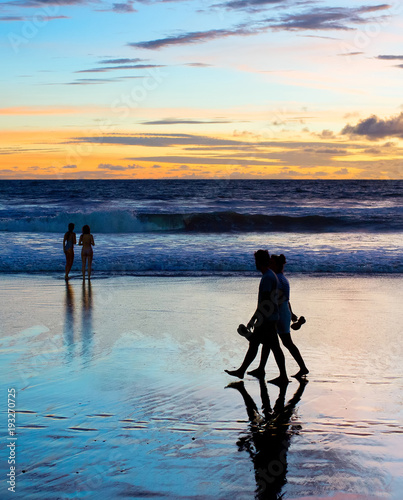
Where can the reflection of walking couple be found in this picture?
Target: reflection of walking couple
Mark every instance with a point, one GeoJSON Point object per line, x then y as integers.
{"type": "Point", "coordinates": [86, 240]}
{"type": "Point", "coordinates": [273, 315]}
{"type": "Point", "coordinates": [268, 438]}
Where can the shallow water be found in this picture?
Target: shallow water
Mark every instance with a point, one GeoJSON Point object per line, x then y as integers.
{"type": "Point", "coordinates": [121, 390]}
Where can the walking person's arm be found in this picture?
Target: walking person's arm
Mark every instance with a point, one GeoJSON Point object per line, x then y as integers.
{"type": "Point", "coordinates": [294, 317]}
{"type": "Point", "coordinates": [264, 309]}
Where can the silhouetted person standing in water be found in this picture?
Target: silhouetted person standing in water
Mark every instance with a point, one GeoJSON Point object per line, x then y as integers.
{"type": "Point", "coordinates": [264, 323]}
{"type": "Point", "coordinates": [286, 315]}
{"type": "Point", "coordinates": [87, 241]}
{"type": "Point", "coordinates": [69, 241]}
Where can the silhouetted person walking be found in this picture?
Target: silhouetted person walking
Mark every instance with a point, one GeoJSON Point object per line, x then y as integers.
{"type": "Point", "coordinates": [286, 315]}
{"type": "Point", "coordinates": [264, 323]}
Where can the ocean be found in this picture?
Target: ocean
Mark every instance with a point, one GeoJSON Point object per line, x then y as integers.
{"type": "Point", "coordinates": [203, 227]}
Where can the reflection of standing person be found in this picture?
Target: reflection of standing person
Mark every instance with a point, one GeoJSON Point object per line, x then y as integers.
{"type": "Point", "coordinates": [69, 241]}
{"type": "Point", "coordinates": [285, 313]}
{"type": "Point", "coordinates": [264, 322]}
{"type": "Point", "coordinates": [87, 241]}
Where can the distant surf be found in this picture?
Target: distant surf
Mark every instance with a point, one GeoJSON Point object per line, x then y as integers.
{"type": "Point", "coordinates": [121, 221]}
{"type": "Point", "coordinates": [175, 227]}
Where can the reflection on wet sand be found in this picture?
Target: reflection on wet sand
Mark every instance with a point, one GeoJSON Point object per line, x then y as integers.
{"type": "Point", "coordinates": [70, 326]}
{"type": "Point", "coordinates": [268, 437]}
{"type": "Point", "coordinates": [68, 330]}
{"type": "Point", "coordinates": [86, 321]}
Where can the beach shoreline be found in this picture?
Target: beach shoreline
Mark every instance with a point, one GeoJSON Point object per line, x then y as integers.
{"type": "Point", "coordinates": [120, 386]}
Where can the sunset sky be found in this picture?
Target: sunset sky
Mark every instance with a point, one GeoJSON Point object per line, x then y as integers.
{"type": "Point", "coordinates": [201, 89]}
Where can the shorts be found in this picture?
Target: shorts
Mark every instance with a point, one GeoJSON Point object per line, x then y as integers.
{"type": "Point", "coordinates": [284, 322]}
{"type": "Point", "coordinates": [265, 333]}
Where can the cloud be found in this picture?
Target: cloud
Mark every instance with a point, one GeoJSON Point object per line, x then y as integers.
{"type": "Point", "coordinates": [179, 121]}
{"type": "Point", "coordinates": [375, 128]}
{"type": "Point", "coordinates": [159, 140]}
{"type": "Point", "coordinates": [45, 3]}
{"type": "Point", "coordinates": [191, 37]}
{"type": "Point", "coordinates": [120, 67]}
{"type": "Point", "coordinates": [123, 8]}
{"type": "Point", "coordinates": [203, 160]}
{"type": "Point", "coordinates": [374, 8]}
{"type": "Point", "coordinates": [248, 4]}
{"type": "Point", "coordinates": [342, 171]}
{"type": "Point", "coordinates": [345, 54]}
{"type": "Point", "coordinates": [326, 134]}
{"type": "Point", "coordinates": [328, 18]}
{"type": "Point", "coordinates": [12, 18]}
{"type": "Point", "coordinates": [92, 81]}
{"type": "Point", "coordinates": [198, 65]}
{"type": "Point", "coordinates": [390, 58]}
{"type": "Point", "coordinates": [108, 166]}
{"type": "Point", "coordinates": [22, 18]}
{"type": "Point", "coordinates": [122, 61]}
{"type": "Point", "coordinates": [326, 151]}
{"type": "Point", "coordinates": [70, 166]}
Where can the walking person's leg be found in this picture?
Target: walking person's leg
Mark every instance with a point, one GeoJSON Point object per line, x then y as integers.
{"type": "Point", "coordinates": [294, 351]}
{"type": "Point", "coordinates": [249, 357]}
{"type": "Point", "coordinates": [279, 357]}
{"type": "Point", "coordinates": [259, 372]}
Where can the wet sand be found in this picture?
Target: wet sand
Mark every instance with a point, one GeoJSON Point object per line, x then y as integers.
{"type": "Point", "coordinates": [121, 391]}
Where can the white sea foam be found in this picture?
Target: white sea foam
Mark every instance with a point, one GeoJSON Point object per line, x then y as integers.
{"type": "Point", "coordinates": [207, 253]}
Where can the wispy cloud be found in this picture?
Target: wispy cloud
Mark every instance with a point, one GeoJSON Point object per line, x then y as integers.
{"type": "Point", "coordinates": [123, 8]}
{"type": "Point", "coordinates": [191, 37]}
{"type": "Point", "coordinates": [24, 18]}
{"type": "Point", "coordinates": [136, 60]}
{"type": "Point", "coordinates": [45, 3]}
{"type": "Point", "coordinates": [180, 121]}
{"type": "Point", "coordinates": [198, 65]}
{"type": "Point", "coordinates": [327, 18]}
{"type": "Point", "coordinates": [375, 128]}
{"type": "Point", "coordinates": [390, 58]}
{"type": "Point", "coordinates": [92, 81]}
{"type": "Point", "coordinates": [159, 140]}
{"type": "Point", "coordinates": [104, 69]}
{"type": "Point", "coordinates": [108, 166]}
{"type": "Point", "coordinates": [346, 54]}
{"type": "Point", "coordinates": [249, 4]}
{"type": "Point", "coordinates": [203, 160]}
{"type": "Point", "coordinates": [317, 19]}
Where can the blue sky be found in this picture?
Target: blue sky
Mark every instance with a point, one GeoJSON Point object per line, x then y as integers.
{"type": "Point", "coordinates": [320, 79]}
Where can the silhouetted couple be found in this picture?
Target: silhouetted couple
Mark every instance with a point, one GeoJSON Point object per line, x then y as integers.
{"type": "Point", "coordinates": [265, 321]}
{"type": "Point", "coordinates": [86, 240]}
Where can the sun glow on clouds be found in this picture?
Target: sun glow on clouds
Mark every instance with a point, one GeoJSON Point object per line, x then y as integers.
{"type": "Point", "coordinates": [274, 89]}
